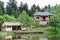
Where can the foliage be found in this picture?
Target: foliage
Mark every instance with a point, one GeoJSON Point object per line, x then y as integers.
{"type": "Point", "coordinates": [2, 19]}
{"type": "Point", "coordinates": [50, 32]}
{"type": "Point", "coordinates": [26, 20]}
{"type": "Point", "coordinates": [55, 21]}
{"type": "Point", "coordinates": [11, 8]}
{"type": "Point", "coordinates": [1, 8]}
{"type": "Point", "coordinates": [25, 7]}
{"type": "Point", "coordinates": [9, 18]}
{"type": "Point", "coordinates": [21, 7]}
{"type": "Point", "coordinates": [10, 33]}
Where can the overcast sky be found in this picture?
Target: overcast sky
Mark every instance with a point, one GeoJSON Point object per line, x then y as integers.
{"type": "Point", "coordinates": [41, 3]}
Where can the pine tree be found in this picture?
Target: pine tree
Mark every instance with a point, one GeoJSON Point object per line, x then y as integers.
{"type": "Point", "coordinates": [38, 8]}
{"type": "Point", "coordinates": [25, 7]}
{"type": "Point", "coordinates": [12, 7]}
{"type": "Point", "coordinates": [49, 6]}
{"type": "Point", "coordinates": [2, 8]}
{"type": "Point", "coordinates": [21, 7]}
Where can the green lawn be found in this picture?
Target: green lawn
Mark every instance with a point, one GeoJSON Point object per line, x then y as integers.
{"type": "Point", "coordinates": [7, 33]}
{"type": "Point", "coordinates": [36, 29]}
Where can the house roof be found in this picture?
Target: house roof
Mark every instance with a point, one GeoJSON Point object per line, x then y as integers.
{"type": "Point", "coordinates": [43, 14]}
{"type": "Point", "coordinates": [11, 24]}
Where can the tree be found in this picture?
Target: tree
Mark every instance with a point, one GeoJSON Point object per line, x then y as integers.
{"type": "Point", "coordinates": [55, 22]}
{"type": "Point", "coordinates": [49, 7]}
{"type": "Point", "coordinates": [12, 7]}
{"type": "Point", "coordinates": [26, 20]}
{"type": "Point", "coordinates": [21, 7]}
{"type": "Point", "coordinates": [50, 32]}
{"type": "Point", "coordinates": [25, 7]}
{"type": "Point", "coordinates": [33, 8]}
{"type": "Point", "coordinates": [2, 19]}
{"type": "Point", "coordinates": [15, 13]}
{"type": "Point", "coordinates": [2, 8]}
{"type": "Point", "coordinates": [38, 8]}
{"type": "Point", "coordinates": [56, 6]}
{"type": "Point", "coordinates": [30, 13]}
{"type": "Point", "coordinates": [46, 7]}
{"type": "Point", "coordinates": [9, 18]}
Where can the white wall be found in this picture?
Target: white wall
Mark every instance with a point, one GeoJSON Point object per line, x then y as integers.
{"type": "Point", "coordinates": [6, 29]}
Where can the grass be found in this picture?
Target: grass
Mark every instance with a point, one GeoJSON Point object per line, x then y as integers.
{"type": "Point", "coordinates": [10, 33]}
{"type": "Point", "coordinates": [7, 33]}
{"type": "Point", "coordinates": [36, 29]}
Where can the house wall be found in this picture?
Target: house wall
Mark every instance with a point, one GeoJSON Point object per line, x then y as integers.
{"type": "Point", "coordinates": [3, 28]}
{"type": "Point", "coordinates": [41, 18]}
{"type": "Point", "coordinates": [9, 29]}
{"type": "Point", "coordinates": [6, 29]}
{"type": "Point", "coordinates": [47, 18]}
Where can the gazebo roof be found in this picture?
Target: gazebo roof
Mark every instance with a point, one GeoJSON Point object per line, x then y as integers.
{"type": "Point", "coordinates": [11, 24]}
{"type": "Point", "coordinates": [43, 14]}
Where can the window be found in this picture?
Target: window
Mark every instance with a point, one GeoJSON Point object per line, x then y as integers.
{"type": "Point", "coordinates": [8, 26]}
{"type": "Point", "coordinates": [43, 17]}
{"type": "Point", "coordinates": [37, 17]}
{"type": "Point", "coordinates": [49, 16]}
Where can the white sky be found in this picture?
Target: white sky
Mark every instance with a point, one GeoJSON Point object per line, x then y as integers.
{"type": "Point", "coordinates": [41, 3]}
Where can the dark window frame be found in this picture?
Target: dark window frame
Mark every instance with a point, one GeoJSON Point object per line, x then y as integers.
{"type": "Point", "coordinates": [37, 17]}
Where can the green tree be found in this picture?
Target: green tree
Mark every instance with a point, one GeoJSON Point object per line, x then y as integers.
{"type": "Point", "coordinates": [12, 7]}
{"type": "Point", "coordinates": [50, 32]}
{"type": "Point", "coordinates": [38, 8]}
{"type": "Point", "coordinates": [55, 22]}
{"type": "Point", "coordinates": [26, 20]}
{"type": "Point", "coordinates": [25, 7]}
{"type": "Point", "coordinates": [2, 19]}
{"type": "Point", "coordinates": [46, 7]}
{"type": "Point", "coordinates": [9, 18]}
{"type": "Point", "coordinates": [33, 8]}
{"type": "Point", "coordinates": [21, 7]}
{"type": "Point", "coordinates": [49, 7]}
{"type": "Point", "coordinates": [30, 13]}
{"type": "Point", "coordinates": [1, 8]}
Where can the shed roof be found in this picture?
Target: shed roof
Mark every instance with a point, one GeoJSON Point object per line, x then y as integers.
{"type": "Point", "coordinates": [43, 14]}
{"type": "Point", "coordinates": [11, 24]}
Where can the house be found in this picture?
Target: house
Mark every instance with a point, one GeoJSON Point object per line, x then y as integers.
{"type": "Point", "coordinates": [42, 17]}
{"type": "Point", "coordinates": [11, 26]}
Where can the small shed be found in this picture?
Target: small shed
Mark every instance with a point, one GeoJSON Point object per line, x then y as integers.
{"type": "Point", "coordinates": [42, 17]}
{"type": "Point", "coordinates": [11, 26]}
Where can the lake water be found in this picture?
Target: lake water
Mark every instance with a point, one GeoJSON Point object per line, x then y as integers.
{"type": "Point", "coordinates": [27, 37]}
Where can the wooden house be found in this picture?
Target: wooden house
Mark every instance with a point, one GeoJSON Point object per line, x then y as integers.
{"type": "Point", "coordinates": [11, 26]}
